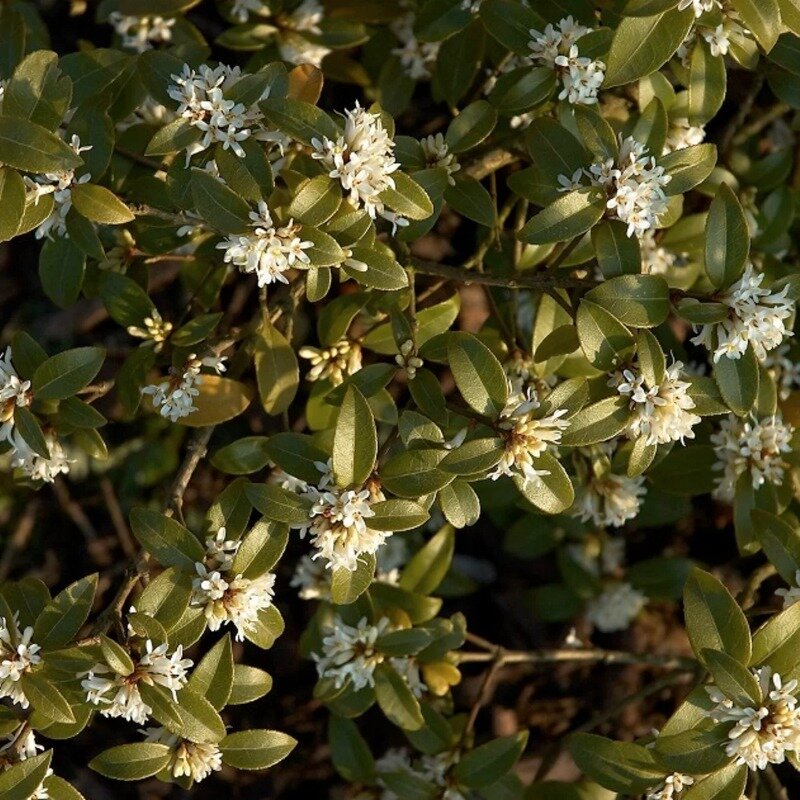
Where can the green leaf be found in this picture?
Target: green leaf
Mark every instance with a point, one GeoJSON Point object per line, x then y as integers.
{"type": "Point", "coordinates": [316, 200]}
{"type": "Point", "coordinates": [355, 441]}
{"type": "Point", "coordinates": [256, 749]}
{"type": "Point", "coordinates": [781, 542]}
{"type": "Point", "coordinates": [348, 585]}
{"type": "Point", "coordinates": [220, 207]}
{"type": "Point", "coordinates": [166, 539]}
{"type": "Point", "coordinates": [249, 684]}
{"type": "Point", "coordinates": [474, 456]}
{"type": "Point", "coordinates": [430, 563]}
{"type": "Point", "coordinates": [522, 89]}
{"type": "Point", "coordinates": [727, 783]}
{"type": "Point", "coordinates": [300, 120]}
{"type": "Point", "coordinates": [297, 454]}
{"type": "Point", "coordinates": [64, 374]}
{"type": "Point", "coordinates": [396, 700]}
{"type": "Point", "coordinates": [277, 371]}
{"type": "Point", "coordinates": [397, 515]}
{"type": "Point", "coordinates": [116, 656]}
{"type": "Point", "coordinates": [32, 148]}
{"type": "Point", "coordinates": [173, 137]}
{"type": "Point", "coordinates": [489, 762]}
{"type": "Point", "coordinates": [61, 269]}
{"type": "Point", "coordinates": [212, 678]}
{"type": "Point", "coordinates": [478, 374]}
{"type": "Point", "coordinates": [777, 642]}
{"type": "Point", "coordinates": [12, 202]}
{"type": "Point", "coordinates": [460, 504]}
{"type": "Point", "coordinates": [738, 380]}
{"type": "Point", "coordinates": [22, 780]}
{"type": "Point", "coordinates": [553, 492]}
{"type": "Point", "coordinates": [686, 470]}
{"type": "Point", "coordinates": [727, 239]}
{"type": "Point", "coordinates": [622, 767]}
{"type": "Point", "coordinates": [278, 504]}
{"type": "Point", "coordinates": [763, 18]}
{"type": "Point", "coordinates": [734, 679]}
{"type": "Point", "coordinates": [31, 431]}
{"type": "Point", "coordinates": [688, 167]}
{"type": "Point", "coordinates": [471, 199]}
{"type": "Point", "coordinates": [46, 699]}
{"type": "Point", "coordinates": [714, 619]}
{"type": "Point", "coordinates": [99, 204]}
{"type": "Point", "coordinates": [605, 341]}
{"type": "Point", "coordinates": [132, 762]}
{"type": "Point", "coordinates": [598, 422]}
{"type": "Point", "coordinates": [408, 198]}
{"type": "Point", "coordinates": [707, 83]}
{"type": "Point", "coordinates": [350, 754]}
{"type": "Point", "coordinates": [642, 45]}
{"type": "Point", "coordinates": [568, 216]}
{"type": "Point", "coordinates": [383, 271]}
{"type": "Point", "coordinates": [65, 614]}
{"type": "Point", "coordinates": [38, 91]}
{"type": "Point", "coordinates": [641, 301]}
{"type": "Point", "coordinates": [616, 252]}
{"type": "Point", "coordinates": [166, 597]}
{"type": "Point", "coordinates": [471, 126]}
{"type": "Point", "coordinates": [243, 456]}
{"type": "Point", "coordinates": [510, 23]}
{"type": "Point", "coordinates": [199, 720]}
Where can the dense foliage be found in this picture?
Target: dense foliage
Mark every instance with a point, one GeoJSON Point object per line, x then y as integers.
{"type": "Point", "coordinates": [323, 283]}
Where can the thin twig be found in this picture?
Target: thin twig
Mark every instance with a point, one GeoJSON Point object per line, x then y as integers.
{"type": "Point", "coordinates": [750, 591]}
{"type": "Point", "coordinates": [118, 518]}
{"type": "Point", "coordinates": [578, 655]}
{"type": "Point", "coordinates": [486, 690]}
{"type": "Point", "coordinates": [73, 510]}
{"type": "Point", "coordinates": [195, 451]}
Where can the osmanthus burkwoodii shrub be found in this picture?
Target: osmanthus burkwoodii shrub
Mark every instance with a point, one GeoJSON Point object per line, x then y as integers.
{"type": "Point", "coordinates": [639, 274]}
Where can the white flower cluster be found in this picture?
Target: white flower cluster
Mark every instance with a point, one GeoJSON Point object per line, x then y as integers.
{"type": "Point", "coordinates": [19, 748]}
{"type": "Point", "coordinates": [362, 159]}
{"type": "Point", "coordinates": [408, 360]}
{"type": "Point", "coordinates": [757, 317]}
{"type": "Point", "coordinates": [526, 437]}
{"type": "Point", "coordinates": [615, 607]}
{"type": "Point", "coordinates": [763, 735]}
{"type": "Point", "coordinates": [16, 392]}
{"type": "Point", "coordinates": [681, 135]}
{"type": "Point", "coordinates": [349, 653]}
{"type": "Point", "coordinates": [141, 33]}
{"type": "Point", "coordinates": [333, 363]}
{"type": "Point", "coordinates": [656, 259]}
{"type": "Point", "coordinates": [671, 787]}
{"type": "Point", "coordinates": [201, 100]}
{"type": "Point", "coordinates": [581, 77]}
{"type": "Point", "coordinates": [699, 7]}
{"type": "Point", "coordinates": [634, 184]}
{"type": "Point", "coordinates": [59, 185]}
{"type": "Point", "coordinates": [174, 397]}
{"type": "Point", "coordinates": [784, 370]}
{"type": "Point", "coordinates": [609, 499]}
{"type": "Point", "coordinates": [154, 329]}
{"type": "Point", "coordinates": [750, 446]}
{"type": "Point", "coordinates": [792, 594]}
{"type": "Point", "coordinates": [292, 44]}
{"type": "Point", "coordinates": [19, 654]}
{"type": "Point", "coordinates": [195, 760]}
{"type": "Point", "coordinates": [433, 769]}
{"type": "Point", "coordinates": [660, 413]}
{"type": "Point", "coordinates": [437, 154]}
{"type": "Point", "coordinates": [225, 596]}
{"type": "Point", "coordinates": [418, 58]}
{"type": "Point", "coordinates": [119, 696]}
{"type": "Point", "coordinates": [269, 251]}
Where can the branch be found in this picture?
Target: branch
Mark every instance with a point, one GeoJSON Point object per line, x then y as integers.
{"type": "Point", "coordinates": [195, 451]}
{"type": "Point", "coordinates": [490, 162]}
{"type": "Point", "coordinates": [578, 655]}
{"type": "Point", "coordinates": [536, 280]}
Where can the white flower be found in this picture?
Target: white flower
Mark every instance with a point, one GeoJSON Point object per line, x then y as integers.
{"type": "Point", "coordinates": [13, 392]}
{"type": "Point", "coordinates": [338, 522]}
{"type": "Point", "coordinates": [348, 653]}
{"type": "Point", "coordinates": [154, 328]}
{"type": "Point", "coordinates": [681, 135]}
{"type": "Point", "coordinates": [699, 7]}
{"type": "Point", "coordinates": [408, 360]}
{"type": "Point", "coordinates": [201, 100]}
{"type": "Point", "coordinates": [57, 184]}
{"type": "Point", "coordinates": [333, 363]}
{"type": "Point", "coordinates": [408, 669]}
{"type": "Point", "coordinates": [473, 6]}
{"type": "Point", "coordinates": [141, 33]}
{"type": "Point", "coordinates": [792, 594]}
{"type": "Point", "coordinates": [220, 551]}
{"type": "Point", "coordinates": [36, 466]}
{"type": "Point", "coordinates": [362, 159]}
{"type": "Point", "coordinates": [634, 185]}
{"type": "Point", "coordinates": [269, 251]}
{"type": "Point", "coordinates": [671, 787]}
{"type": "Point", "coordinates": [526, 437]}
{"type": "Point", "coordinates": [784, 370]}
{"type": "Point", "coordinates": [660, 413]}
{"type": "Point", "coordinates": [417, 58]}
{"type": "Point", "coordinates": [718, 39]}
{"type": "Point", "coordinates": [764, 734]}
{"type": "Point", "coordinates": [241, 9]}
{"type": "Point", "coordinates": [656, 259]}
{"type": "Point", "coordinates": [189, 759]}
{"type": "Point", "coordinates": [556, 47]}
{"type": "Point", "coordinates": [757, 317]}
{"type": "Point", "coordinates": [437, 154]}
{"type": "Point", "coordinates": [150, 112]}
{"type": "Point", "coordinates": [298, 50]}
{"type": "Point", "coordinates": [306, 17]}
{"type": "Point", "coordinates": [118, 696]}
{"type": "Point", "coordinates": [19, 654]}
{"type": "Point", "coordinates": [174, 397]}
{"type": "Point", "coordinates": [610, 499]}
{"type": "Point", "coordinates": [750, 446]}
{"type": "Point", "coordinates": [615, 607]}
